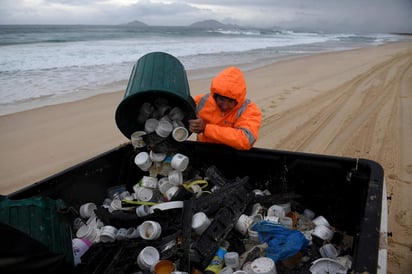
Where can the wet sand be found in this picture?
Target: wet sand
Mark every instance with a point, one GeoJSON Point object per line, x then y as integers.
{"type": "Point", "coordinates": [355, 103]}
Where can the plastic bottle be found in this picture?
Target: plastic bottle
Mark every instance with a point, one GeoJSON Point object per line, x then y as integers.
{"type": "Point", "coordinates": [218, 260]}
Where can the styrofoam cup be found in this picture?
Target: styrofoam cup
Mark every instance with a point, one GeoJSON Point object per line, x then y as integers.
{"type": "Point", "coordinates": [150, 230]}
{"type": "Point", "coordinates": [163, 185]}
{"type": "Point", "coordinates": [180, 162]}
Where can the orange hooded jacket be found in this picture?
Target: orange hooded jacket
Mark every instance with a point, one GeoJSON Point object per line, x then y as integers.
{"type": "Point", "coordinates": [238, 128]}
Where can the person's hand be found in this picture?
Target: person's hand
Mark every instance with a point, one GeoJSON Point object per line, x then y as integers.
{"type": "Point", "coordinates": [197, 125]}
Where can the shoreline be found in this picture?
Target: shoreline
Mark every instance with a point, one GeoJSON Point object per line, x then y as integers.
{"type": "Point", "coordinates": [354, 103]}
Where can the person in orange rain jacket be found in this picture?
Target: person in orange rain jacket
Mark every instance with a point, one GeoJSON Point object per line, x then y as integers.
{"type": "Point", "coordinates": [225, 115]}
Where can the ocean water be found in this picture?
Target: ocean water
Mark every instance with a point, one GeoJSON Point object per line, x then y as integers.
{"type": "Point", "coordinates": [48, 64]}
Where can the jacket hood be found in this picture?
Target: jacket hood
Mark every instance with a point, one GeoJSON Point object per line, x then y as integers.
{"type": "Point", "coordinates": [230, 83]}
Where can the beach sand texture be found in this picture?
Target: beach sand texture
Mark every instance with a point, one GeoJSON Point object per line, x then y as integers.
{"type": "Point", "coordinates": [355, 103]}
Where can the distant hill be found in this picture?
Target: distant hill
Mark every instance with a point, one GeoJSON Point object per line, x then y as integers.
{"type": "Point", "coordinates": [212, 24]}
{"type": "Point", "coordinates": [135, 23]}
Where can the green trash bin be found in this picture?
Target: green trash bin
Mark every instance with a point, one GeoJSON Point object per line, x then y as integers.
{"type": "Point", "coordinates": [156, 77]}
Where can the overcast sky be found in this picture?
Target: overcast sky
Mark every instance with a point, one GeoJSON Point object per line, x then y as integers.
{"type": "Point", "coordinates": [334, 15]}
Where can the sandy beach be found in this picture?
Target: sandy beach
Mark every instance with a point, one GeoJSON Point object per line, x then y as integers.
{"type": "Point", "coordinates": [355, 103]}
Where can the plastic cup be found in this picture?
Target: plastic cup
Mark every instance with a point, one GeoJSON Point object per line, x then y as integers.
{"type": "Point", "coordinates": [286, 221]}
{"type": "Point", "coordinates": [171, 192]}
{"type": "Point", "coordinates": [176, 114]}
{"type": "Point", "coordinates": [320, 220]}
{"type": "Point", "coordinates": [263, 265]}
{"type": "Point", "coordinates": [121, 233]}
{"type": "Point", "coordinates": [323, 232]}
{"type": "Point", "coordinates": [143, 161]}
{"type": "Point", "coordinates": [164, 128]}
{"type": "Point", "coordinates": [276, 210]}
{"type": "Point", "coordinates": [149, 182]}
{"type": "Point", "coordinates": [232, 259]}
{"type": "Point", "coordinates": [148, 257]}
{"type": "Point", "coordinates": [179, 162]}
{"type": "Point", "coordinates": [132, 233]}
{"type": "Point", "coordinates": [243, 224]}
{"type": "Point", "coordinates": [175, 177]}
{"type": "Point", "coordinates": [180, 134]}
{"type": "Point", "coordinates": [87, 210]}
{"type": "Point", "coordinates": [150, 230]}
{"type": "Point", "coordinates": [142, 210]}
{"type": "Point", "coordinates": [137, 139]}
{"type": "Point", "coordinates": [150, 125]}
{"type": "Point", "coordinates": [108, 234]}
{"type": "Point", "coordinates": [144, 194]}
{"type": "Point", "coordinates": [328, 251]}
{"type": "Point", "coordinates": [200, 222]}
{"type": "Point", "coordinates": [157, 156]}
{"type": "Point", "coordinates": [163, 185]}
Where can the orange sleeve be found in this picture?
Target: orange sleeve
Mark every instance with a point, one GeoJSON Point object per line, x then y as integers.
{"type": "Point", "coordinates": [244, 133]}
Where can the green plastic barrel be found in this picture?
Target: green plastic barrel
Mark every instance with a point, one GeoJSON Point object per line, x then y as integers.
{"type": "Point", "coordinates": [156, 76]}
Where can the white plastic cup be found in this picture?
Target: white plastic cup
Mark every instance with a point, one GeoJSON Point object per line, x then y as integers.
{"type": "Point", "coordinates": [137, 139]}
{"type": "Point", "coordinates": [142, 210]}
{"type": "Point", "coordinates": [180, 132]}
{"type": "Point", "coordinates": [164, 128]}
{"type": "Point", "coordinates": [144, 194]}
{"type": "Point", "coordinates": [323, 232]}
{"type": "Point", "coordinates": [320, 220]}
{"type": "Point", "coordinates": [179, 162]}
{"type": "Point", "coordinates": [148, 257]}
{"type": "Point", "coordinates": [149, 182]}
{"type": "Point", "coordinates": [121, 233]}
{"type": "Point", "coordinates": [163, 185]}
{"type": "Point", "coordinates": [226, 270]}
{"type": "Point", "coordinates": [87, 210]}
{"type": "Point", "coordinates": [171, 192]}
{"type": "Point", "coordinates": [150, 230]}
{"type": "Point", "coordinates": [253, 235]}
{"type": "Point", "coordinates": [200, 222]}
{"type": "Point", "coordinates": [175, 177]}
{"type": "Point", "coordinates": [286, 207]}
{"type": "Point", "coordinates": [276, 210]}
{"type": "Point", "coordinates": [263, 265]}
{"type": "Point", "coordinates": [157, 156]}
{"type": "Point", "coordinates": [328, 251]}
{"type": "Point", "coordinates": [150, 125]}
{"type": "Point", "coordinates": [232, 259]}
{"type": "Point", "coordinates": [143, 161]}
{"type": "Point", "coordinates": [108, 234]}
{"type": "Point", "coordinates": [176, 114]}
{"type": "Point", "coordinates": [87, 232]}
{"type": "Point", "coordinates": [132, 233]}
{"type": "Point", "coordinates": [243, 223]}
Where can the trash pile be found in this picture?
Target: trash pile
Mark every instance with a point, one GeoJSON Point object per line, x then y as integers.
{"type": "Point", "coordinates": [176, 220]}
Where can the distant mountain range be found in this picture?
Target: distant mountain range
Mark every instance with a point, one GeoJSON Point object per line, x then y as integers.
{"type": "Point", "coordinates": [206, 24]}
